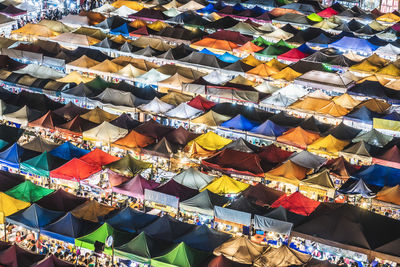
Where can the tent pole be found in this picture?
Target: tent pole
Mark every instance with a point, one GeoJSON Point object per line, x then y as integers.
{"type": "Point", "coordinates": [5, 231]}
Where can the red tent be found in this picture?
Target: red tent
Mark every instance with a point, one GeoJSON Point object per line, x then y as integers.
{"type": "Point", "coordinates": [297, 203]}
{"type": "Point", "coordinates": [232, 161]}
{"type": "Point", "coordinates": [327, 12]}
{"type": "Point", "coordinates": [139, 32]}
{"type": "Point", "coordinates": [274, 154]}
{"type": "Point", "coordinates": [75, 170]}
{"type": "Point", "coordinates": [98, 158]}
{"type": "Point", "coordinates": [262, 195]}
{"type": "Point", "coordinates": [293, 55]}
{"type": "Point", "coordinates": [201, 103]}
{"type": "Point", "coordinates": [390, 158]}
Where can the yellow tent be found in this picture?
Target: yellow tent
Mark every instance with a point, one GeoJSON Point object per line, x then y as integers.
{"type": "Point", "coordinates": [158, 26]}
{"type": "Point", "coordinates": [376, 60]}
{"type": "Point", "coordinates": [138, 23]}
{"type": "Point", "coordinates": [333, 109]}
{"type": "Point", "coordinates": [107, 66]}
{"type": "Point", "coordinates": [226, 185]}
{"type": "Point", "coordinates": [76, 39]}
{"type": "Point", "coordinates": [276, 64]}
{"type": "Point", "coordinates": [328, 145]}
{"type": "Point", "coordinates": [374, 78]}
{"type": "Point", "coordinates": [175, 98]}
{"type": "Point", "coordinates": [251, 60]}
{"type": "Point", "coordinates": [263, 70]}
{"type": "Point", "coordinates": [35, 30]}
{"type": "Point", "coordinates": [210, 141]}
{"type": "Point", "coordinates": [136, 62]}
{"type": "Point", "coordinates": [288, 172]}
{"type": "Point", "coordinates": [84, 62]}
{"type": "Point", "coordinates": [346, 101]}
{"type": "Point", "coordinates": [196, 151]}
{"type": "Point", "coordinates": [131, 4]}
{"type": "Point", "coordinates": [389, 17]}
{"type": "Point", "coordinates": [74, 77]}
{"type": "Point", "coordinates": [287, 74]}
{"type": "Point", "coordinates": [97, 115]}
{"type": "Point", "coordinates": [56, 26]}
{"type": "Point", "coordinates": [390, 70]}
{"type": "Point", "coordinates": [211, 118]}
{"type": "Point", "coordinates": [310, 104]}
{"type": "Point", "coordinates": [119, 39]}
{"type": "Point", "coordinates": [10, 205]}
{"type": "Point", "coordinates": [377, 26]}
{"type": "Point", "coordinates": [242, 81]}
{"type": "Point", "coordinates": [366, 66]}
{"type": "Point", "coordinates": [175, 81]}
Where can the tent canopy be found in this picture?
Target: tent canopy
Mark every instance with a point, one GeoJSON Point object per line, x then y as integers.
{"type": "Point", "coordinates": [28, 192]}
{"type": "Point", "coordinates": [225, 185]}
{"type": "Point", "coordinates": [128, 166]}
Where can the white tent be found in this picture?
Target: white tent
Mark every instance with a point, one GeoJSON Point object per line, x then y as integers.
{"type": "Point", "coordinates": [172, 12]}
{"type": "Point", "coordinates": [42, 72]}
{"type": "Point", "coordinates": [278, 100]}
{"type": "Point", "coordinates": [217, 77]}
{"type": "Point", "coordinates": [105, 132]}
{"type": "Point", "coordinates": [319, 94]}
{"type": "Point", "coordinates": [75, 20]}
{"type": "Point", "coordinates": [152, 77]}
{"type": "Point", "coordinates": [266, 87]}
{"type": "Point", "coordinates": [191, 5]}
{"type": "Point", "coordinates": [106, 8]}
{"type": "Point", "coordinates": [130, 71]}
{"type": "Point", "coordinates": [292, 91]}
{"type": "Point", "coordinates": [277, 35]}
{"type": "Point", "coordinates": [183, 111]}
{"type": "Point", "coordinates": [156, 106]}
{"type": "Point", "coordinates": [388, 50]}
{"type": "Point", "coordinates": [28, 7]}
{"type": "Point", "coordinates": [123, 11]}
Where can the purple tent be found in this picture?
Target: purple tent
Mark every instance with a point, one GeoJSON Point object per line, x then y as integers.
{"type": "Point", "coordinates": [153, 129]}
{"type": "Point", "coordinates": [15, 256]}
{"type": "Point", "coordinates": [52, 261]}
{"type": "Point", "coordinates": [135, 187]}
{"type": "Point", "coordinates": [175, 189]}
{"type": "Point", "coordinates": [61, 200]}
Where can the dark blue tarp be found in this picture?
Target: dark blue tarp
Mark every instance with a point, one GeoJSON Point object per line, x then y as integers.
{"type": "Point", "coordinates": [356, 187]}
{"type": "Point", "coordinates": [269, 128]}
{"type": "Point", "coordinates": [320, 40]}
{"type": "Point", "coordinates": [11, 155]}
{"type": "Point", "coordinates": [306, 49]}
{"type": "Point", "coordinates": [34, 217]}
{"type": "Point", "coordinates": [393, 116]}
{"type": "Point", "coordinates": [167, 228]}
{"type": "Point", "coordinates": [239, 122]}
{"type": "Point", "coordinates": [363, 114]}
{"type": "Point", "coordinates": [204, 238]}
{"type": "Point", "coordinates": [129, 220]}
{"type": "Point", "coordinates": [356, 44]}
{"type": "Point", "coordinates": [68, 151]}
{"type": "Point", "coordinates": [208, 9]}
{"type": "Point", "coordinates": [379, 175]}
{"type": "Point", "coordinates": [68, 227]}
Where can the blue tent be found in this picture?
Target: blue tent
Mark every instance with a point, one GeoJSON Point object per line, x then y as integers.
{"type": "Point", "coordinates": [68, 151]}
{"type": "Point", "coordinates": [238, 7]}
{"type": "Point", "coordinates": [379, 175]}
{"type": "Point", "coordinates": [269, 128]}
{"type": "Point", "coordinates": [68, 227]}
{"type": "Point", "coordinates": [355, 44]}
{"type": "Point", "coordinates": [393, 116]}
{"type": "Point", "coordinates": [363, 114]}
{"type": "Point", "coordinates": [356, 187]}
{"type": "Point", "coordinates": [207, 9]}
{"type": "Point", "coordinates": [321, 40]}
{"type": "Point", "coordinates": [228, 58]}
{"type": "Point", "coordinates": [167, 228]}
{"type": "Point", "coordinates": [375, 40]}
{"type": "Point", "coordinates": [306, 49]}
{"type": "Point", "coordinates": [204, 238]}
{"type": "Point", "coordinates": [34, 217]}
{"type": "Point", "coordinates": [11, 156]}
{"type": "Point", "coordinates": [207, 52]}
{"type": "Point", "coordinates": [123, 30]}
{"type": "Point", "coordinates": [239, 122]}
{"type": "Point", "coordinates": [130, 220]}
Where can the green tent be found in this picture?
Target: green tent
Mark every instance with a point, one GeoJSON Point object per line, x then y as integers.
{"type": "Point", "coordinates": [41, 165]}
{"type": "Point", "coordinates": [283, 43]}
{"type": "Point", "coordinates": [3, 144]}
{"type": "Point", "coordinates": [261, 42]}
{"type": "Point", "coordinates": [101, 235]}
{"type": "Point", "coordinates": [142, 248]}
{"type": "Point", "coordinates": [181, 256]}
{"type": "Point", "coordinates": [128, 166]}
{"type": "Point", "coordinates": [314, 17]}
{"type": "Point", "coordinates": [98, 85]}
{"type": "Point", "coordinates": [28, 192]}
{"type": "Point", "coordinates": [274, 50]}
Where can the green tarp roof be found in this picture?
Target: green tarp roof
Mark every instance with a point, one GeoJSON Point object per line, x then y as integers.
{"type": "Point", "coordinates": [101, 234]}
{"type": "Point", "coordinates": [181, 256]}
{"type": "Point", "coordinates": [128, 166]}
{"type": "Point", "coordinates": [41, 165]}
{"type": "Point", "coordinates": [98, 84]}
{"type": "Point", "coordinates": [28, 192]}
{"type": "Point", "coordinates": [261, 42]}
{"type": "Point", "coordinates": [142, 248]}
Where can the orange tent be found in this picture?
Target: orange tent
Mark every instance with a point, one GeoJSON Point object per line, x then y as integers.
{"type": "Point", "coordinates": [276, 64]}
{"type": "Point", "coordinates": [249, 48]}
{"type": "Point", "coordinates": [310, 104]}
{"type": "Point", "coordinates": [214, 44]}
{"type": "Point", "coordinates": [298, 137]}
{"type": "Point", "coordinates": [251, 60]}
{"type": "Point", "coordinates": [138, 23]}
{"type": "Point", "coordinates": [133, 140]}
{"type": "Point", "coordinates": [263, 70]}
{"type": "Point", "coordinates": [333, 109]}
{"type": "Point", "coordinates": [196, 151]}
{"type": "Point", "coordinates": [389, 194]}
{"type": "Point", "coordinates": [288, 172]}
{"type": "Point", "coordinates": [277, 12]}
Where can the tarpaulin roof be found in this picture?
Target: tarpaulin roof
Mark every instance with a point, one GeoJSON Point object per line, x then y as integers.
{"type": "Point", "coordinates": [92, 210]}
{"type": "Point", "coordinates": [226, 185]}
{"type": "Point", "coordinates": [273, 154]}
{"type": "Point", "coordinates": [239, 122]}
{"type": "Point", "coordinates": [174, 188]}
{"type": "Point", "coordinates": [203, 203]}
{"type": "Point", "coordinates": [287, 172]}
{"type": "Point", "coordinates": [15, 256]}
{"type": "Point", "coordinates": [298, 137]}
{"type": "Point", "coordinates": [379, 175]}
{"type": "Point", "coordinates": [84, 62]}
{"type": "Point", "coordinates": [327, 145]}
{"type": "Point", "coordinates": [35, 30]}
{"type": "Point", "coordinates": [242, 145]}
{"type": "Point", "coordinates": [373, 137]}
{"type": "Point", "coordinates": [262, 195]}
{"type": "Point", "coordinates": [375, 105]}
{"type": "Point", "coordinates": [356, 187]}
{"type": "Point", "coordinates": [76, 126]}
{"type": "Point", "coordinates": [321, 178]}
{"type": "Point", "coordinates": [128, 166]}
{"type": "Point", "coordinates": [23, 115]}
{"type": "Point", "coordinates": [193, 178]}
{"type": "Point", "coordinates": [390, 158]}
{"type": "Point", "coordinates": [142, 248]}
{"type": "Point", "coordinates": [40, 145]}
{"type": "Point", "coordinates": [34, 217]}
{"type": "Point", "coordinates": [133, 140]}
{"type": "Point", "coordinates": [211, 118]}
{"type": "Point", "coordinates": [389, 194]}
{"type": "Point", "coordinates": [181, 136]}
{"type": "Point", "coordinates": [9, 180]}
{"type": "Point", "coordinates": [287, 74]}
{"type": "Point", "coordinates": [105, 132]}
{"type": "Point", "coordinates": [240, 250]}
{"type": "Point", "coordinates": [52, 261]}
{"type": "Point", "coordinates": [11, 156]}
{"type": "Point", "coordinates": [129, 220]}
{"type": "Point", "coordinates": [167, 228]}
{"type": "Point", "coordinates": [153, 129]}
{"type": "Point", "coordinates": [60, 200]}
{"type": "Point", "coordinates": [343, 132]}
{"type": "Point", "coordinates": [68, 228]}
{"type": "Point", "coordinates": [97, 115]}
{"type": "Point", "coordinates": [125, 121]}
{"type": "Point", "coordinates": [181, 255]}
{"type": "Point", "coordinates": [297, 203]}
{"type": "Point", "coordinates": [282, 256]}
{"type": "Point", "coordinates": [10, 205]}
{"type": "Point", "coordinates": [210, 141]}
{"type": "Point", "coordinates": [307, 160]}
{"type": "Point", "coordinates": [70, 111]}
{"type": "Point", "coordinates": [269, 128]}
{"type": "Point", "coordinates": [245, 205]}
{"type": "Point", "coordinates": [101, 235]}
{"type": "Point", "coordinates": [41, 165]}
{"type": "Point", "coordinates": [355, 44]}
{"type": "Point", "coordinates": [156, 106]}
{"type": "Point", "coordinates": [48, 120]}
{"type": "Point", "coordinates": [68, 151]}
{"type": "Point", "coordinates": [75, 170]}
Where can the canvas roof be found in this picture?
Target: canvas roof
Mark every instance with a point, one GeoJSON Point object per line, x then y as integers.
{"type": "Point", "coordinates": [129, 220]}
{"type": "Point", "coordinates": [92, 210]}
{"type": "Point", "coordinates": [210, 141]}
{"type": "Point", "coordinates": [128, 166]}
{"type": "Point", "coordinates": [97, 115]}
{"type": "Point", "coordinates": [41, 165]}
{"type": "Point", "coordinates": [75, 170]}
{"type": "Point", "coordinates": [327, 145]}
{"type": "Point", "coordinates": [68, 151]}
{"type": "Point", "coordinates": [10, 205]}
{"type": "Point", "coordinates": [287, 172]}
{"type": "Point", "coordinates": [133, 140]}
{"type": "Point", "coordinates": [203, 202]}
{"type": "Point", "coordinates": [167, 228]}
{"type": "Point", "coordinates": [225, 185]}
{"type": "Point", "coordinates": [298, 137]}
